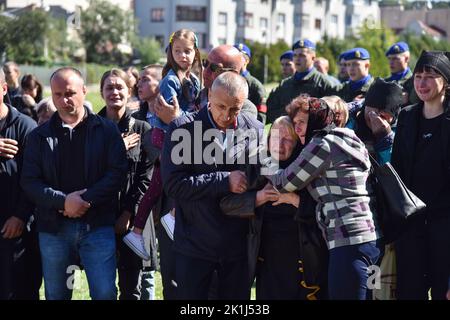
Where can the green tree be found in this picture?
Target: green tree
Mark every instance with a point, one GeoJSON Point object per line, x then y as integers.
{"type": "Point", "coordinates": [273, 53]}
{"type": "Point", "coordinates": [149, 50]}
{"type": "Point", "coordinates": [103, 27]}
{"type": "Point", "coordinates": [26, 37]}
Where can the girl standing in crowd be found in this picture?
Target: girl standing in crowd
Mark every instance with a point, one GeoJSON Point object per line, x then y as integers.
{"type": "Point", "coordinates": [421, 157]}
{"type": "Point", "coordinates": [180, 85]}
{"type": "Point", "coordinates": [334, 166]}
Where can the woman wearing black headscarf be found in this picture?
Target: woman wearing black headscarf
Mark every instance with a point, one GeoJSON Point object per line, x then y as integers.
{"type": "Point", "coordinates": [334, 167]}
{"type": "Point", "coordinates": [421, 156]}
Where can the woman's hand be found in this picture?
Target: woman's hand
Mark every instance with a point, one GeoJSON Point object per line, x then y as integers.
{"type": "Point", "coordinates": [131, 140]}
{"type": "Point", "coordinates": [269, 193]}
{"type": "Point", "coordinates": [289, 198]}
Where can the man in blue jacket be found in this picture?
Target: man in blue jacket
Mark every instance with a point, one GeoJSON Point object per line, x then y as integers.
{"type": "Point", "coordinates": [74, 167]}
{"type": "Point", "coordinates": [15, 208]}
{"type": "Point", "coordinates": [207, 241]}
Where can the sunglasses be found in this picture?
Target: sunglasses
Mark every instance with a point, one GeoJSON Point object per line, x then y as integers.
{"type": "Point", "coordinates": [215, 67]}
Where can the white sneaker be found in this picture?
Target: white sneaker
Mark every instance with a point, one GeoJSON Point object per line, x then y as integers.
{"type": "Point", "coordinates": [136, 243]}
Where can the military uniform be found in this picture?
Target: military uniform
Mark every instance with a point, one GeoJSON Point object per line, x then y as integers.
{"type": "Point", "coordinates": [310, 82]}
{"type": "Point", "coordinates": [314, 84]}
{"type": "Point", "coordinates": [406, 80]}
{"type": "Point", "coordinates": [345, 91]}
{"type": "Point", "coordinates": [256, 90]}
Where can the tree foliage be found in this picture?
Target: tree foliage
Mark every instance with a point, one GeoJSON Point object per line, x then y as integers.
{"type": "Point", "coordinates": [273, 52]}
{"type": "Point", "coordinates": [149, 50]}
{"type": "Point", "coordinates": [103, 27]}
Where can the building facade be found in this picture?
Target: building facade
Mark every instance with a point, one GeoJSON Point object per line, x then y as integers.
{"type": "Point", "coordinates": [417, 20]}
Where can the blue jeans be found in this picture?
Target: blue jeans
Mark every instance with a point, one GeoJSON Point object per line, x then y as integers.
{"type": "Point", "coordinates": [348, 270]}
{"type": "Point", "coordinates": [74, 243]}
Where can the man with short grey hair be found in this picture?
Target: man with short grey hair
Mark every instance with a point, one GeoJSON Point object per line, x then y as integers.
{"type": "Point", "coordinates": [207, 241]}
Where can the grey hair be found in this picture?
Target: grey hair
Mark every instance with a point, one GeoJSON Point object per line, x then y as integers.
{"type": "Point", "coordinates": [233, 83]}
{"type": "Point", "coordinates": [47, 104]}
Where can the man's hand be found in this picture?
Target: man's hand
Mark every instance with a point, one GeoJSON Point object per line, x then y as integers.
{"type": "Point", "coordinates": [131, 140]}
{"type": "Point", "coordinates": [75, 206]}
{"type": "Point", "coordinates": [165, 111]}
{"type": "Point", "coordinates": [289, 198]}
{"type": "Point", "coordinates": [269, 193]}
{"type": "Point", "coordinates": [123, 222]}
{"type": "Point", "coordinates": [237, 181]}
{"type": "Point", "coordinates": [379, 126]}
{"type": "Point", "coordinates": [8, 148]}
{"type": "Point", "coordinates": [12, 228]}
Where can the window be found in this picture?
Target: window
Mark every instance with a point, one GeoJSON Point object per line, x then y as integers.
{"type": "Point", "coordinates": [223, 17]}
{"type": "Point", "coordinates": [222, 41]}
{"type": "Point", "coordinates": [305, 21]}
{"type": "Point", "coordinates": [334, 19]}
{"type": "Point", "coordinates": [263, 23]}
{"type": "Point", "coordinates": [318, 2]}
{"type": "Point", "coordinates": [281, 18]}
{"type": "Point", "coordinates": [318, 24]}
{"type": "Point", "coordinates": [201, 40]}
{"type": "Point", "coordinates": [157, 15]}
{"type": "Point", "coordinates": [265, 1]}
{"type": "Point", "coordinates": [191, 13]}
{"type": "Point", "coordinates": [248, 18]}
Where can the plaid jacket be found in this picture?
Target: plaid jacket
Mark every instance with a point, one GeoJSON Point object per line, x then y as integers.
{"type": "Point", "coordinates": [335, 169]}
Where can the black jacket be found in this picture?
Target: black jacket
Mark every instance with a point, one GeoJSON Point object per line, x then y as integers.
{"type": "Point", "coordinates": [139, 166]}
{"type": "Point", "coordinates": [201, 230]}
{"type": "Point", "coordinates": [105, 173]}
{"type": "Point", "coordinates": [13, 199]}
{"type": "Point", "coordinates": [404, 148]}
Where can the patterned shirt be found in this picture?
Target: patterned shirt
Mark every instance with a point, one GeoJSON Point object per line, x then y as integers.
{"type": "Point", "coordinates": [335, 169]}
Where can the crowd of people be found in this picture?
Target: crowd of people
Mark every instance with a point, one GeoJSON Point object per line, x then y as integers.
{"type": "Point", "coordinates": [176, 173]}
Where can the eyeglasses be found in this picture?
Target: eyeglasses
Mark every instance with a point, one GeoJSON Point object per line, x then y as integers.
{"type": "Point", "coordinates": [215, 67]}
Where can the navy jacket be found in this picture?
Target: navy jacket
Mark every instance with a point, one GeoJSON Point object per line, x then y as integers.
{"type": "Point", "coordinates": [105, 172]}
{"type": "Point", "coordinates": [12, 197]}
{"type": "Point", "coordinates": [201, 229]}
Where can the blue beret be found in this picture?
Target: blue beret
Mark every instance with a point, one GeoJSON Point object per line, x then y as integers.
{"type": "Point", "coordinates": [287, 55]}
{"type": "Point", "coordinates": [305, 43]}
{"type": "Point", "coordinates": [397, 48]}
{"type": "Point", "coordinates": [342, 56]}
{"type": "Point", "coordinates": [357, 54]}
{"type": "Point", "coordinates": [244, 49]}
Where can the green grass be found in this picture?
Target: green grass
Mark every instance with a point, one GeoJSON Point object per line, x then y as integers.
{"type": "Point", "coordinates": [81, 288]}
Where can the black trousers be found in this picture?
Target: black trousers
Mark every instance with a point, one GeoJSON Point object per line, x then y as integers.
{"type": "Point", "coordinates": [20, 267]}
{"type": "Point", "coordinates": [129, 267]}
{"type": "Point", "coordinates": [423, 259]}
{"type": "Point", "coordinates": [194, 277]}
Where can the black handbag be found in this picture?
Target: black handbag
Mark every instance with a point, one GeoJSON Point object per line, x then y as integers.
{"type": "Point", "coordinates": [395, 202]}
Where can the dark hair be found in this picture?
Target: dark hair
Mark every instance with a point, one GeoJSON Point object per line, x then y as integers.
{"type": "Point", "coordinates": [171, 64]}
{"type": "Point", "coordinates": [30, 82]}
{"type": "Point", "coordinates": [116, 73]}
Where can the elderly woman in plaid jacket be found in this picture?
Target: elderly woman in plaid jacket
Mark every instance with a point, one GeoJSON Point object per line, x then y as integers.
{"type": "Point", "coordinates": [334, 167]}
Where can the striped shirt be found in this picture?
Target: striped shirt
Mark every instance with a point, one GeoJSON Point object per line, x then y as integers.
{"type": "Point", "coordinates": [335, 169]}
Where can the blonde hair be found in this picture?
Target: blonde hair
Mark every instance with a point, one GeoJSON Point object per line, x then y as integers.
{"type": "Point", "coordinates": [339, 107]}
{"type": "Point", "coordinates": [287, 123]}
